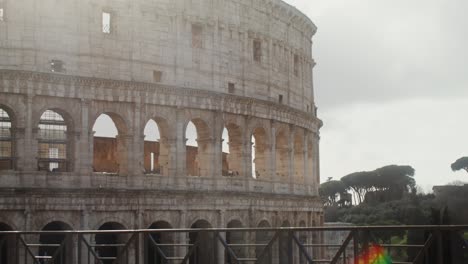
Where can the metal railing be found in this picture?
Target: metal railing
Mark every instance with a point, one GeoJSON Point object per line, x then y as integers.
{"type": "Point", "coordinates": [419, 245]}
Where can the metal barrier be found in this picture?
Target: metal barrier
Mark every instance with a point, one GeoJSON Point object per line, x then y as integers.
{"type": "Point", "coordinates": [434, 244]}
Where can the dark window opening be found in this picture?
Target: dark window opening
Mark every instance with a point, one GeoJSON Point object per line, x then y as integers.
{"type": "Point", "coordinates": [52, 142]}
{"type": "Point", "coordinates": [296, 65]}
{"type": "Point", "coordinates": [197, 36]}
{"type": "Point", "coordinates": [257, 50]}
{"type": "Point", "coordinates": [157, 76]}
{"type": "Point", "coordinates": [56, 66]}
{"type": "Point", "coordinates": [280, 98]}
{"type": "Point", "coordinates": [231, 87]}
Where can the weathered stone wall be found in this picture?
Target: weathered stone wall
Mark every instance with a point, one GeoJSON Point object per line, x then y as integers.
{"type": "Point", "coordinates": [157, 41]}
{"type": "Point", "coordinates": [243, 65]}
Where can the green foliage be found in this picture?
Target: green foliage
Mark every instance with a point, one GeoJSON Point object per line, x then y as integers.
{"type": "Point", "coordinates": [395, 179]}
{"type": "Point", "coordinates": [460, 164]}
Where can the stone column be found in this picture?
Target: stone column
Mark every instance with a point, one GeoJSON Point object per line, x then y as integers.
{"type": "Point", "coordinates": [84, 225]}
{"type": "Point", "coordinates": [182, 237]}
{"type": "Point", "coordinates": [85, 145]}
{"type": "Point", "coordinates": [30, 142]}
{"type": "Point", "coordinates": [170, 160]}
{"type": "Point", "coordinates": [272, 149]}
{"type": "Point", "coordinates": [247, 150]}
{"type": "Point", "coordinates": [221, 249]}
{"type": "Point", "coordinates": [217, 131]}
{"type": "Point", "coordinates": [292, 166]}
{"type": "Point", "coordinates": [141, 237]}
{"type": "Point", "coordinates": [136, 150]}
{"type": "Point", "coordinates": [124, 148]}
{"type": "Point", "coordinates": [18, 138]}
{"type": "Point", "coordinates": [306, 161]}
{"type": "Point", "coordinates": [181, 140]}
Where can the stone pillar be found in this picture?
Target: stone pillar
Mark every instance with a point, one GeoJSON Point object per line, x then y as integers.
{"type": "Point", "coordinates": [247, 150]}
{"type": "Point", "coordinates": [272, 149]}
{"type": "Point", "coordinates": [136, 150]}
{"type": "Point", "coordinates": [18, 138]}
{"type": "Point", "coordinates": [292, 165]}
{"type": "Point", "coordinates": [217, 131]}
{"type": "Point", "coordinates": [30, 142]}
{"type": "Point", "coordinates": [84, 225]}
{"type": "Point", "coordinates": [182, 237]}
{"type": "Point", "coordinates": [141, 237]}
{"type": "Point", "coordinates": [220, 248]}
{"type": "Point", "coordinates": [305, 158]}
{"type": "Point", "coordinates": [169, 162]}
{"type": "Point", "coordinates": [124, 148]}
{"type": "Point", "coordinates": [85, 145]}
{"type": "Point", "coordinates": [180, 144]}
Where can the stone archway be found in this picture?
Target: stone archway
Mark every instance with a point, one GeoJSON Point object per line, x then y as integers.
{"type": "Point", "coordinates": [7, 244]}
{"type": "Point", "coordinates": [161, 240]}
{"type": "Point", "coordinates": [206, 251]}
{"type": "Point", "coordinates": [66, 255]}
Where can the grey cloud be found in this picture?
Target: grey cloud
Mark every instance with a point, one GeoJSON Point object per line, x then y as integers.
{"type": "Point", "coordinates": [378, 50]}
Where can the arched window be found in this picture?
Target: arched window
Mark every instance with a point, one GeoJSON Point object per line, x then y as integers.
{"type": "Point", "coordinates": [6, 141]}
{"type": "Point", "coordinates": [232, 150]}
{"type": "Point", "coordinates": [198, 148]}
{"type": "Point", "coordinates": [110, 144]}
{"type": "Point", "coordinates": [53, 143]}
{"type": "Point", "coordinates": [152, 148]}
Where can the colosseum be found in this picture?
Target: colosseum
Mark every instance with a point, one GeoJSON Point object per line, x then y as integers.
{"type": "Point", "coordinates": [238, 71]}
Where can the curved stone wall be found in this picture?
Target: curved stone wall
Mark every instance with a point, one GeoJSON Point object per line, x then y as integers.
{"type": "Point", "coordinates": [246, 67]}
{"type": "Point", "coordinates": [261, 48]}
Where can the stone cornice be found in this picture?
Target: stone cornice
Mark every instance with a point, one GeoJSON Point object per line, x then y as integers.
{"type": "Point", "coordinates": [88, 88]}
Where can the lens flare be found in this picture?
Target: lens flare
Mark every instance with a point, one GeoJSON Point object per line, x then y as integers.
{"type": "Point", "coordinates": [375, 255]}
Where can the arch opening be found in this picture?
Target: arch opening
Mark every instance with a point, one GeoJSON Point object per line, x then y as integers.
{"type": "Point", "coordinates": [53, 242]}
{"type": "Point", "coordinates": [7, 246]}
{"type": "Point", "coordinates": [232, 150]}
{"type": "Point", "coordinates": [110, 145]}
{"type": "Point", "coordinates": [198, 148]}
{"type": "Point", "coordinates": [303, 239]}
{"type": "Point", "coordinates": [6, 141]}
{"type": "Point", "coordinates": [259, 153]}
{"type": "Point", "coordinates": [205, 252]}
{"type": "Point", "coordinates": [155, 151]}
{"type": "Point", "coordinates": [233, 238]}
{"type": "Point", "coordinates": [108, 244]}
{"type": "Point", "coordinates": [53, 143]}
{"type": "Point", "coordinates": [282, 156]}
{"type": "Point", "coordinates": [159, 240]}
{"type": "Point", "coordinates": [263, 237]}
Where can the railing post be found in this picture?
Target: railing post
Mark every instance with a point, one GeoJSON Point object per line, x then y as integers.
{"type": "Point", "coordinates": [440, 248]}
{"type": "Point", "coordinates": [356, 247]}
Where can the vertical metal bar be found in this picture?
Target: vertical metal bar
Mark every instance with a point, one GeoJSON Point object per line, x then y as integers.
{"type": "Point", "coordinates": [356, 246]}
{"type": "Point", "coordinates": [289, 247]}
{"type": "Point", "coordinates": [17, 249]}
{"type": "Point", "coordinates": [440, 248]}
{"type": "Point", "coordinates": [137, 246]}
{"type": "Point", "coordinates": [78, 237]}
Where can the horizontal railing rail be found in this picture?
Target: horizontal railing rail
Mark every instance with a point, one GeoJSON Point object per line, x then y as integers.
{"type": "Point", "coordinates": [293, 245]}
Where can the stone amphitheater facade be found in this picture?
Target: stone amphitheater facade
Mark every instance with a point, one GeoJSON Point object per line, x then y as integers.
{"type": "Point", "coordinates": [241, 65]}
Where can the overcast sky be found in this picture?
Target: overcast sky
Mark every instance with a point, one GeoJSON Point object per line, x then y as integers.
{"type": "Point", "coordinates": [391, 84]}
